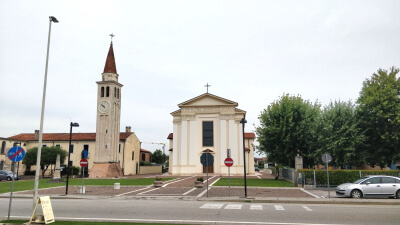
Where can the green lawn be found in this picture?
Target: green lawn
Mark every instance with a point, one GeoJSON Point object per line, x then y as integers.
{"type": "Point", "coordinates": [24, 185]}
{"type": "Point", "coordinates": [254, 182]}
{"type": "Point", "coordinates": [85, 223]}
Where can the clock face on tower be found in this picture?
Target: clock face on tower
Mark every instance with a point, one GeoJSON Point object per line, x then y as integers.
{"type": "Point", "coordinates": [104, 106]}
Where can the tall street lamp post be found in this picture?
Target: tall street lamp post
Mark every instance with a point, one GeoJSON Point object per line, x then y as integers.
{"type": "Point", "coordinates": [39, 152]}
{"type": "Point", "coordinates": [243, 122]}
{"type": "Point", "coordinates": [69, 153]}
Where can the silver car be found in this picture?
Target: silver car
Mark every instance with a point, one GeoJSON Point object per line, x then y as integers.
{"type": "Point", "coordinates": [7, 175]}
{"type": "Point", "coordinates": [371, 186]}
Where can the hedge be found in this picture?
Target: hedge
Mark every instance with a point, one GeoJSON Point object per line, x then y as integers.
{"type": "Point", "coordinates": [337, 177]}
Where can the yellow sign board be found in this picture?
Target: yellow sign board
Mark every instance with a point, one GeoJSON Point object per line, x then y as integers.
{"type": "Point", "coordinates": [48, 216]}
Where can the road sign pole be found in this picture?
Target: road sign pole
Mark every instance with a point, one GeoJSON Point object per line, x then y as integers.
{"type": "Point", "coordinates": [207, 171]}
{"type": "Point", "coordinates": [11, 192]}
{"type": "Point", "coordinates": [15, 154]}
{"type": "Point", "coordinates": [326, 158]}
{"type": "Point", "coordinates": [83, 174]}
{"type": "Point", "coordinates": [327, 175]}
{"type": "Point", "coordinates": [229, 180]}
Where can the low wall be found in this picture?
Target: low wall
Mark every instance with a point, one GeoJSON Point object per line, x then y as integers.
{"type": "Point", "coordinates": [150, 169]}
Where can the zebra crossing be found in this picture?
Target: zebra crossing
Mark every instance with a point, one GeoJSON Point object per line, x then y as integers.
{"type": "Point", "coordinates": [251, 206]}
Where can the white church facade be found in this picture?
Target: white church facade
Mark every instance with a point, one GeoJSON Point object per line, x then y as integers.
{"type": "Point", "coordinates": [209, 124]}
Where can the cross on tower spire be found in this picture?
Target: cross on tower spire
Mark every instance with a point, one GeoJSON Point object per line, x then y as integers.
{"type": "Point", "coordinates": [207, 85]}
{"type": "Point", "coordinates": [111, 35]}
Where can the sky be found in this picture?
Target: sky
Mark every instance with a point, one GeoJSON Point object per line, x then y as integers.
{"type": "Point", "coordinates": [250, 52]}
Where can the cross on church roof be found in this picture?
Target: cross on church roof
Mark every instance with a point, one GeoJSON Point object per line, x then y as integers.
{"type": "Point", "coordinates": [207, 85]}
{"type": "Point", "coordinates": [111, 35]}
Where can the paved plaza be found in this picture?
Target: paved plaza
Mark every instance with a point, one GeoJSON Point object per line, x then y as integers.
{"type": "Point", "coordinates": [182, 186]}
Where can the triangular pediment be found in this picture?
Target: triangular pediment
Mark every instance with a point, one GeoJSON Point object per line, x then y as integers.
{"type": "Point", "coordinates": [207, 99]}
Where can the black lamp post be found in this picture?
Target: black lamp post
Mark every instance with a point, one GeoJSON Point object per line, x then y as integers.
{"type": "Point", "coordinates": [243, 122]}
{"type": "Point", "coordinates": [69, 153]}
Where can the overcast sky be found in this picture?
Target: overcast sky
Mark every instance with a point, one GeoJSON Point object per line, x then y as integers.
{"type": "Point", "coordinates": [250, 52]}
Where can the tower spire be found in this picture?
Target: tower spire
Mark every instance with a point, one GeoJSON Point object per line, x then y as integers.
{"type": "Point", "coordinates": [110, 66]}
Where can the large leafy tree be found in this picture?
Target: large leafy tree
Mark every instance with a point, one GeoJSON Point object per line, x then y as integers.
{"type": "Point", "coordinates": [48, 157]}
{"type": "Point", "coordinates": [158, 157]}
{"type": "Point", "coordinates": [379, 114]}
{"type": "Point", "coordinates": [337, 134]}
{"type": "Point", "coordinates": [286, 129]}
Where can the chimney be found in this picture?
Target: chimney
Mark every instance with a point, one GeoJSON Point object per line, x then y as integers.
{"type": "Point", "coordinates": [128, 129]}
{"type": "Point", "coordinates": [36, 134]}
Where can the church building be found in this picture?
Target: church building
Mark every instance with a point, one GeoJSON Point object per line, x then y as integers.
{"type": "Point", "coordinates": [209, 124]}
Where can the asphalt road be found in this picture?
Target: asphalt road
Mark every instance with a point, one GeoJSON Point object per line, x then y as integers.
{"type": "Point", "coordinates": [207, 212]}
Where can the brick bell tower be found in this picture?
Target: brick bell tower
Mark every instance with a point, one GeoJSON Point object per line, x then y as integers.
{"type": "Point", "coordinates": [106, 162]}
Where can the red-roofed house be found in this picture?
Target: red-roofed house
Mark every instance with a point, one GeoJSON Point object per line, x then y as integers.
{"type": "Point", "coordinates": [145, 155]}
{"type": "Point", "coordinates": [128, 148]}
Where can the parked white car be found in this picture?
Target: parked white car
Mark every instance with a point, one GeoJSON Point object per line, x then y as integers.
{"type": "Point", "coordinates": [371, 186]}
{"type": "Point", "coordinates": [7, 175]}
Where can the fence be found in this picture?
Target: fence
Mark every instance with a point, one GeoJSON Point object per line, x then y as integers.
{"type": "Point", "coordinates": [289, 175]}
{"type": "Point", "coordinates": [314, 179]}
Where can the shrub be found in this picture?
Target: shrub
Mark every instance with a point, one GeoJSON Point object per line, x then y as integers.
{"type": "Point", "coordinates": [337, 177]}
{"type": "Point", "coordinates": [143, 163]}
{"type": "Point", "coordinates": [200, 179]}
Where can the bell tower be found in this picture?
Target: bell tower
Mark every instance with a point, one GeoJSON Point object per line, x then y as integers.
{"type": "Point", "coordinates": [106, 163]}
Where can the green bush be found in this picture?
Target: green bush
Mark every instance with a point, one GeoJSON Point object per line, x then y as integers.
{"type": "Point", "coordinates": [143, 163]}
{"type": "Point", "coordinates": [74, 169]}
{"type": "Point", "coordinates": [337, 177]}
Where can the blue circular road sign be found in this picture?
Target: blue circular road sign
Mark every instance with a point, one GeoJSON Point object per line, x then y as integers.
{"type": "Point", "coordinates": [16, 154]}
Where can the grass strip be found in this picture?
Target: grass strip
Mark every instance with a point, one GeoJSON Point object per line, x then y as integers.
{"type": "Point", "coordinates": [254, 182]}
{"type": "Point", "coordinates": [86, 223]}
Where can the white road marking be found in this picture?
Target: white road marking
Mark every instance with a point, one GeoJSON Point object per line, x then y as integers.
{"type": "Point", "coordinates": [214, 181]}
{"type": "Point", "coordinates": [279, 207]}
{"type": "Point", "coordinates": [256, 207]}
{"type": "Point", "coordinates": [147, 191]}
{"type": "Point", "coordinates": [133, 191]}
{"type": "Point", "coordinates": [177, 180]}
{"type": "Point", "coordinates": [173, 221]}
{"type": "Point", "coordinates": [234, 206]}
{"type": "Point", "coordinates": [189, 191]}
{"type": "Point", "coordinates": [315, 196]}
{"type": "Point", "coordinates": [211, 206]}
{"type": "Point", "coordinates": [306, 208]}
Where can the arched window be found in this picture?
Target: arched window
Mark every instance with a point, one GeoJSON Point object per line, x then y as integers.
{"type": "Point", "coordinates": [102, 91]}
{"type": "Point", "coordinates": [115, 92]}
{"type": "Point", "coordinates": [118, 93]}
{"type": "Point", "coordinates": [107, 91]}
{"type": "Point", "coordinates": [3, 147]}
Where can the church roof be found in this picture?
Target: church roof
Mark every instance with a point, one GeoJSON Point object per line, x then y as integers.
{"type": "Point", "coordinates": [64, 136]}
{"type": "Point", "coordinates": [248, 135]}
{"type": "Point", "coordinates": [110, 66]}
{"type": "Point", "coordinates": [208, 99]}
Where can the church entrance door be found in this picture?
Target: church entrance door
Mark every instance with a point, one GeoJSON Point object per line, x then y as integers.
{"type": "Point", "coordinates": [210, 163]}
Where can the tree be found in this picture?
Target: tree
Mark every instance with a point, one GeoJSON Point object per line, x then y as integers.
{"type": "Point", "coordinates": [286, 129]}
{"type": "Point", "coordinates": [158, 157]}
{"type": "Point", "coordinates": [337, 133]}
{"type": "Point", "coordinates": [379, 113]}
{"type": "Point", "coordinates": [48, 157]}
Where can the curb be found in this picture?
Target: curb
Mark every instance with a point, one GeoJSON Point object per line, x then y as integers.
{"type": "Point", "coordinates": [344, 201]}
